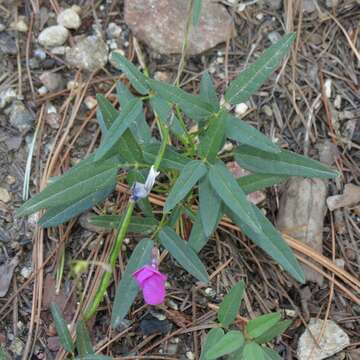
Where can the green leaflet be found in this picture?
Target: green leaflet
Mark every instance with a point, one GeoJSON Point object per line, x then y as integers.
{"type": "Point", "coordinates": [197, 239]}
{"type": "Point", "coordinates": [192, 172]}
{"type": "Point", "coordinates": [270, 354]}
{"type": "Point", "coordinates": [58, 215]}
{"type": "Point", "coordinates": [137, 78]}
{"type": "Point", "coordinates": [138, 224]}
{"type": "Point", "coordinates": [183, 253]}
{"type": "Point", "coordinates": [127, 116]}
{"type": "Point", "coordinates": [255, 182]}
{"type": "Point", "coordinates": [61, 328]}
{"type": "Point", "coordinates": [127, 288]}
{"type": "Point", "coordinates": [196, 10]}
{"type": "Point", "coordinates": [208, 92]}
{"type": "Point", "coordinates": [271, 242]}
{"type": "Point", "coordinates": [283, 163]}
{"type": "Point", "coordinates": [244, 133]}
{"type": "Point", "coordinates": [274, 331]}
{"type": "Point", "coordinates": [213, 138]}
{"type": "Point", "coordinates": [171, 160]}
{"type": "Point", "coordinates": [83, 341]}
{"type": "Point", "coordinates": [140, 128]}
{"type": "Point", "coordinates": [253, 351]}
{"type": "Point", "coordinates": [229, 343]}
{"type": "Point", "coordinates": [262, 324]}
{"type": "Point", "coordinates": [225, 185]}
{"type": "Point", "coordinates": [209, 206]}
{"type": "Point", "coordinates": [229, 307]}
{"type": "Point", "coordinates": [193, 106]}
{"type": "Point", "coordinates": [93, 357]}
{"type": "Point", "coordinates": [72, 187]}
{"type": "Point", "coordinates": [213, 336]}
{"type": "Point", "coordinates": [250, 80]}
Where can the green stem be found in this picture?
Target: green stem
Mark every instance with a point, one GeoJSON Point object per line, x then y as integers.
{"type": "Point", "coordinates": [165, 139]}
{"type": "Point", "coordinates": [105, 280]}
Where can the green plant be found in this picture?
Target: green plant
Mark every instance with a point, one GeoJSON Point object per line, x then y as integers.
{"type": "Point", "coordinates": [246, 344]}
{"type": "Point", "coordinates": [191, 173]}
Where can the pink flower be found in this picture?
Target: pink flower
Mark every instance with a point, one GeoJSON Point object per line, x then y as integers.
{"type": "Point", "coordinates": [152, 283]}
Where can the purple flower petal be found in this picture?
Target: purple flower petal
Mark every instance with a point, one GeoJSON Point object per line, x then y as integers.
{"type": "Point", "coordinates": [154, 290]}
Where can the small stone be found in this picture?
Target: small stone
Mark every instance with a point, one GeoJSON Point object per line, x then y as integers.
{"type": "Point", "coordinates": [161, 24]}
{"type": "Point", "coordinates": [327, 88]}
{"type": "Point", "coordinates": [267, 110]}
{"type": "Point", "coordinates": [7, 44]}
{"type": "Point", "coordinates": [72, 84]}
{"type": "Point", "coordinates": [6, 96]}
{"type": "Point", "coordinates": [34, 63]}
{"type": "Point", "coordinates": [20, 117]}
{"type": "Point", "coordinates": [190, 355]}
{"type": "Point", "coordinates": [77, 9]}
{"type": "Point", "coordinates": [53, 120]}
{"type": "Point", "coordinates": [210, 292]}
{"type": "Point", "coordinates": [274, 36]}
{"type": "Point", "coordinates": [241, 109]}
{"type": "Point", "coordinates": [90, 102]}
{"type": "Point", "coordinates": [53, 81]}
{"type": "Point", "coordinates": [331, 3]}
{"type": "Point", "coordinates": [10, 179]}
{"type": "Point", "coordinates": [20, 25]}
{"type": "Point", "coordinates": [4, 195]}
{"type": "Point", "coordinates": [25, 272]}
{"type": "Point", "coordinates": [40, 54]}
{"type": "Point", "coordinates": [2, 27]}
{"type": "Point", "coordinates": [333, 340]}
{"type": "Point", "coordinates": [340, 263]}
{"type": "Point", "coordinates": [337, 101]}
{"type": "Point", "coordinates": [162, 76]}
{"type": "Point", "coordinates": [16, 347]}
{"type": "Point", "coordinates": [113, 30]}
{"type": "Point", "coordinates": [69, 19]}
{"type": "Point", "coordinates": [259, 16]}
{"type": "Point", "coordinates": [58, 50]}
{"type": "Point", "coordinates": [309, 6]}
{"type": "Point", "coordinates": [53, 36]}
{"type": "Point", "coordinates": [112, 44]}
{"type": "Point", "coordinates": [42, 90]}
{"type": "Point", "coordinates": [89, 54]}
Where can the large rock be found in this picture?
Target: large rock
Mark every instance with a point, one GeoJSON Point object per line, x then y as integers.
{"type": "Point", "coordinates": [333, 340]}
{"type": "Point", "coordinates": [89, 54]}
{"type": "Point", "coordinates": [161, 25]}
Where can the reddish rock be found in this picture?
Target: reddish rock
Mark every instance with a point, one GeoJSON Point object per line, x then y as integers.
{"type": "Point", "coordinates": [161, 25]}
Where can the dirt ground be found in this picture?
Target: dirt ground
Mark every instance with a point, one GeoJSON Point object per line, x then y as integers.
{"type": "Point", "coordinates": [296, 109]}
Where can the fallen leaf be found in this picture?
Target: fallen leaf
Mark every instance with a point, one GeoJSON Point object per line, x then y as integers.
{"type": "Point", "coordinates": [6, 273]}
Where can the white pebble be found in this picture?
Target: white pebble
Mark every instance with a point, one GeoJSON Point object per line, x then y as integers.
{"type": "Point", "coordinates": [337, 101]}
{"type": "Point", "coordinates": [58, 50]}
{"type": "Point", "coordinates": [42, 90]}
{"type": "Point", "coordinates": [40, 54]}
{"type": "Point", "coordinates": [327, 86]}
{"type": "Point", "coordinates": [53, 36]}
{"type": "Point", "coordinates": [25, 272]}
{"type": "Point", "coordinates": [260, 16]}
{"type": "Point", "coordinates": [69, 19]}
{"type": "Point", "coordinates": [241, 109]}
{"type": "Point", "coordinates": [113, 30]}
{"type": "Point", "coordinates": [190, 355]}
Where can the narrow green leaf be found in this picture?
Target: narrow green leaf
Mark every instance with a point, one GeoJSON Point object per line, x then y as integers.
{"type": "Point", "coordinates": [72, 187]}
{"type": "Point", "coordinates": [61, 328]}
{"type": "Point", "coordinates": [213, 336]}
{"type": "Point", "coordinates": [139, 128]}
{"type": "Point", "coordinates": [136, 77]}
{"type": "Point", "coordinates": [208, 92]}
{"type": "Point", "coordinates": [229, 307]}
{"type": "Point", "coordinates": [244, 133]}
{"type": "Point", "coordinates": [83, 341]}
{"type": "Point", "coordinates": [225, 185]}
{"type": "Point", "coordinates": [196, 10]}
{"type": "Point", "coordinates": [164, 111]}
{"type": "Point", "coordinates": [138, 224]}
{"type": "Point", "coordinates": [255, 182]}
{"type": "Point", "coordinates": [274, 331]}
{"type": "Point", "coordinates": [230, 342]}
{"type": "Point", "coordinates": [126, 144]}
{"type": "Point", "coordinates": [270, 354]}
{"type": "Point", "coordinates": [213, 138]}
{"type": "Point", "coordinates": [192, 172]}
{"type": "Point", "coordinates": [183, 253]}
{"type": "Point", "coordinates": [193, 106]}
{"type": "Point", "coordinates": [209, 206]}
{"type": "Point", "coordinates": [250, 80]}
{"type": "Point", "coordinates": [253, 351]}
{"type": "Point", "coordinates": [197, 239]}
{"type": "Point", "coordinates": [127, 288]}
{"type": "Point", "coordinates": [271, 242]}
{"type": "Point", "coordinates": [171, 160]}
{"type": "Point", "coordinates": [58, 215]}
{"type": "Point", "coordinates": [128, 115]}
{"type": "Point", "coordinates": [284, 163]}
{"type": "Point", "coordinates": [262, 324]}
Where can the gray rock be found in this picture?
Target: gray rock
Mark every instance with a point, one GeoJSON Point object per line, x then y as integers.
{"type": "Point", "coordinates": [90, 54]}
{"type": "Point", "coordinates": [53, 81]}
{"type": "Point", "coordinates": [333, 340]}
{"type": "Point", "coordinates": [7, 44]}
{"type": "Point", "coordinates": [113, 31]}
{"type": "Point", "coordinates": [6, 96]}
{"type": "Point", "coordinates": [20, 117]}
{"type": "Point", "coordinates": [4, 195]}
{"type": "Point", "coordinates": [53, 36]}
{"type": "Point", "coordinates": [69, 19]}
{"type": "Point", "coordinates": [161, 25]}
{"type": "Point", "coordinates": [309, 6]}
